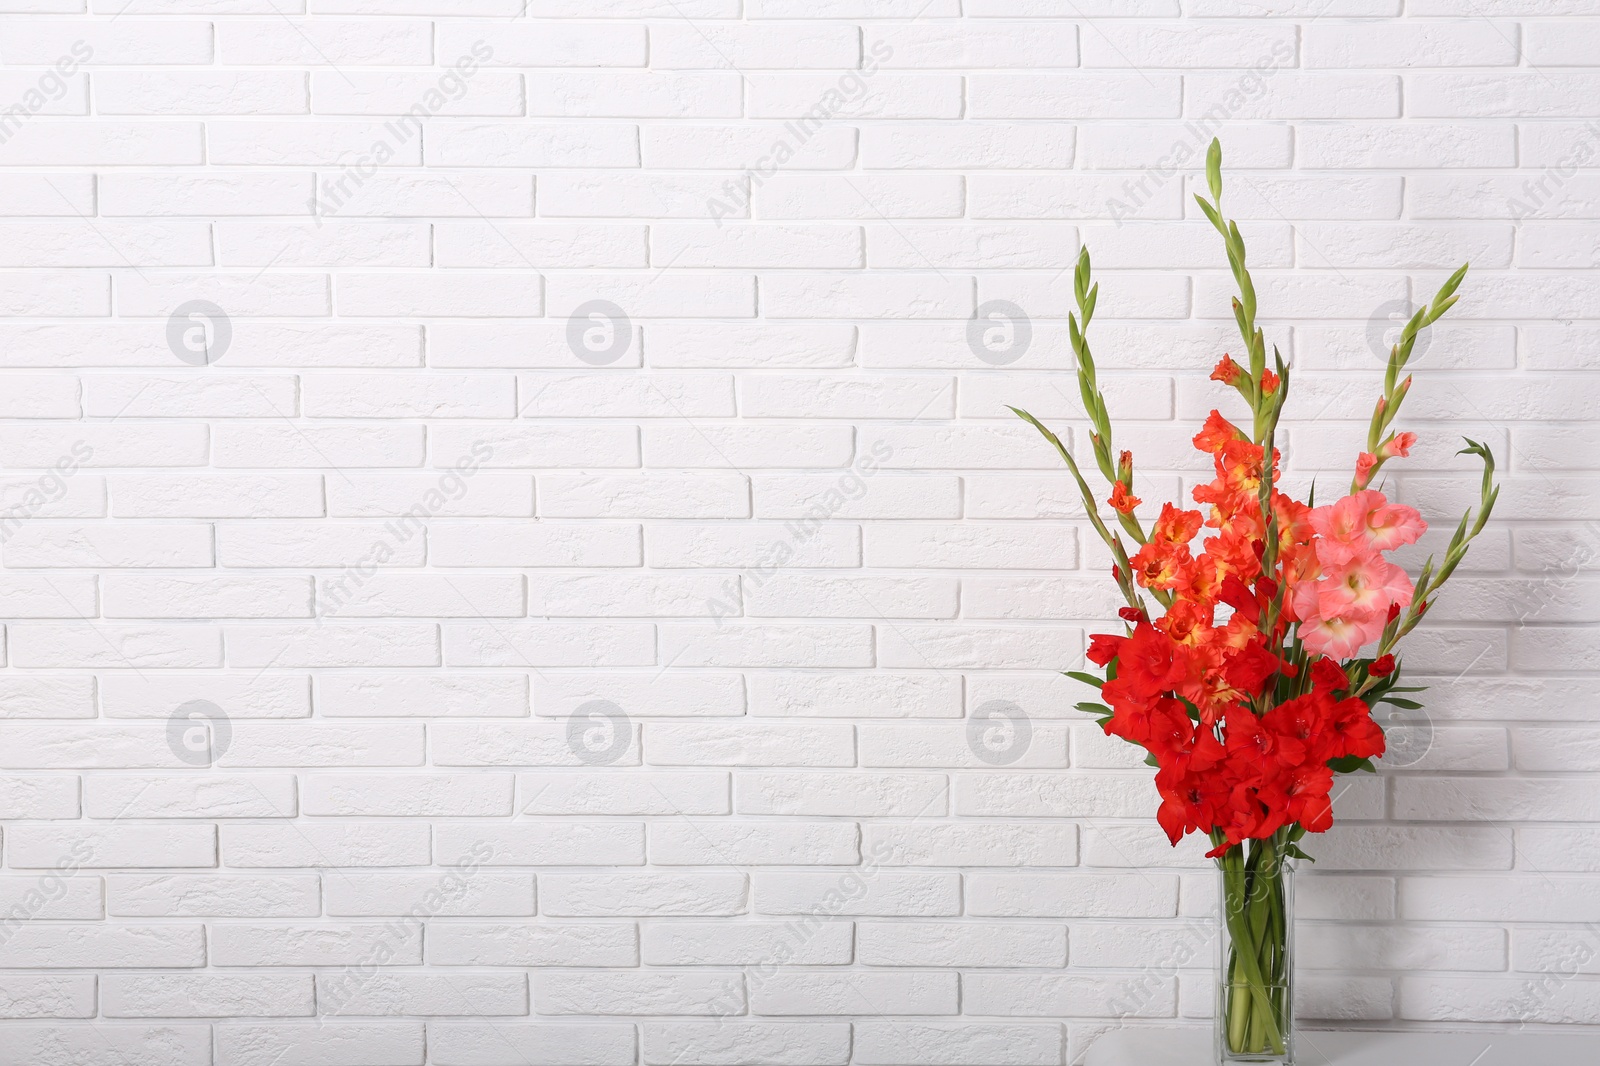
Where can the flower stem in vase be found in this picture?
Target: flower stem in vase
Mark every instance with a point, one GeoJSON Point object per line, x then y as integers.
{"type": "Point", "coordinates": [1254, 952]}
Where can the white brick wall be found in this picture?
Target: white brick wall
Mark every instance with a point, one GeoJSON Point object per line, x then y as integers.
{"type": "Point", "coordinates": [552, 579]}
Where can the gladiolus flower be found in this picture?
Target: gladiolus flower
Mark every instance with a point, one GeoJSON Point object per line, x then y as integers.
{"type": "Point", "coordinates": [1354, 731]}
{"type": "Point", "coordinates": [1340, 637]}
{"type": "Point", "coordinates": [1215, 433]}
{"type": "Point", "coordinates": [1187, 623]}
{"type": "Point", "coordinates": [1367, 518]}
{"type": "Point", "coordinates": [1327, 677]}
{"type": "Point", "coordinates": [1307, 798]}
{"type": "Point", "coordinates": [1269, 383]}
{"type": "Point", "coordinates": [1226, 371]}
{"type": "Point", "coordinates": [1398, 445]}
{"type": "Point", "coordinates": [1103, 647]}
{"type": "Point", "coordinates": [1122, 501]}
{"type": "Point", "coordinates": [1175, 526]}
{"type": "Point", "coordinates": [1160, 565]}
{"type": "Point", "coordinates": [1249, 670]}
{"type": "Point", "coordinates": [1382, 666]}
{"type": "Point", "coordinates": [1364, 464]}
{"type": "Point", "coordinates": [1367, 585]}
{"type": "Point", "coordinates": [1150, 662]}
{"type": "Point", "coordinates": [1247, 732]}
{"type": "Point", "coordinates": [1391, 526]}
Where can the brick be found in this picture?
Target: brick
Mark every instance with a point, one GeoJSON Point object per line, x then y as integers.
{"type": "Point", "coordinates": [724, 1041]}
{"type": "Point", "coordinates": [208, 895]}
{"type": "Point", "coordinates": [957, 944]}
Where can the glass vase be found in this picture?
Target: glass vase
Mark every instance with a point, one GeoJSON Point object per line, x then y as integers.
{"type": "Point", "coordinates": [1255, 953]}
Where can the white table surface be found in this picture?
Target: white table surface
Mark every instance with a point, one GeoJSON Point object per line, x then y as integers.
{"type": "Point", "coordinates": [1192, 1047]}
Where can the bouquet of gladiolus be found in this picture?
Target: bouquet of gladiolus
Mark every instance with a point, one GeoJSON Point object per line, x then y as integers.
{"type": "Point", "coordinates": [1252, 662]}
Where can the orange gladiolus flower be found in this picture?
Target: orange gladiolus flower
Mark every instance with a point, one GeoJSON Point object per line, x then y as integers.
{"type": "Point", "coordinates": [1122, 501]}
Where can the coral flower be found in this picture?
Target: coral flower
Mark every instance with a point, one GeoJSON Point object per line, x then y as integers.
{"type": "Point", "coordinates": [1226, 370]}
{"type": "Point", "coordinates": [1365, 462]}
{"type": "Point", "coordinates": [1160, 565]}
{"type": "Point", "coordinates": [1398, 445]}
{"type": "Point", "coordinates": [1240, 466]}
{"type": "Point", "coordinates": [1215, 433]}
{"type": "Point", "coordinates": [1187, 623]}
{"type": "Point", "coordinates": [1175, 526]}
{"type": "Point", "coordinates": [1122, 501]}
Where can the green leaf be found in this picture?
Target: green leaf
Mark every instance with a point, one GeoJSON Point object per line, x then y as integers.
{"type": "Point", "coordinates": [1399, 701]}
{"type": "Point", "coordinates": [1090, 707]}
{"type": "Point", "coordinates": [1349, 764]}
{"type": "Point", "coordinates": [1294, 850]}
{"type": "Point", "coordinates": [1087, 679]}
{"type": "Point", "coordinates": [1214, 169]}
{"type": "Point", "coordinates": [1150, 760]}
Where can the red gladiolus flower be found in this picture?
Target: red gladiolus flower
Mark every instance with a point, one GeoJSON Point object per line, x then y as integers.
{"type": "Point", "coordinates": [1249, 668]}
{"type": "Point", "coordinates": [1354, 731]}
{"type": "Point", "coordinates": [1150, 662]}
{"type": "Point", "coordinates": [1326, 676]}
{"type": "Point", "coordinates": [1307, 799]}
{"type": "Point", "coordinates": [1248, 733]}
{"type": "Point", "coordinates": [1382, 666]}
{"type": "Point", "coordinates": [1103, 647]}
{"type": "Point", "coordinates": [1306, 719]}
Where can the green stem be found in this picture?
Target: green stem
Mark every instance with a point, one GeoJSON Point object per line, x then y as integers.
{"type": "Point", "coordinates": [1255, 971]}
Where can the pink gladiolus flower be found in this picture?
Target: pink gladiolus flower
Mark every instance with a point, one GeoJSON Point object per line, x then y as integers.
{"type": "Point", "coordinates": [1340, 638]}
{"type": "Point", "coordinates": [1364, 464]}
{"type": "Point", "coordinates": [1346, 520]}
{"type": "Point", "coordinates": [1344, 602]}
{"type": "Point", "coordinates": [1393, 525]}
{"type": "Point", "coordinates": [1398, 446]}
{"type": "Point", "coordinates": [1368, 519]}
{"type": "Point", "coordinates": [1367, 584]}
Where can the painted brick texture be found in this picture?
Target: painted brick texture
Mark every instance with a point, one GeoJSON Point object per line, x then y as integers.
{"type": "Point", "coordinates": [514, 549]}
